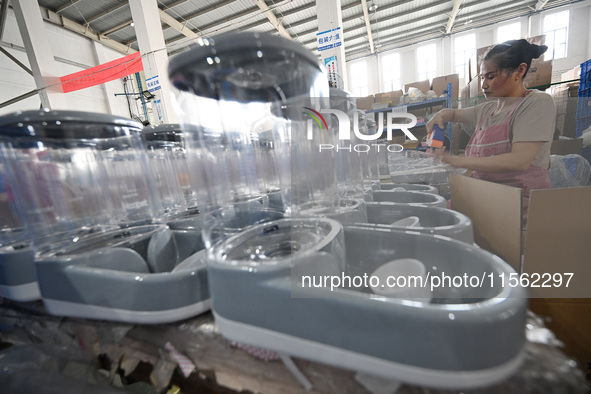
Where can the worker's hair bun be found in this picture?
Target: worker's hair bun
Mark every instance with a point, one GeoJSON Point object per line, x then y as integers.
{"type": "Point", "coordinates": [535, 51]}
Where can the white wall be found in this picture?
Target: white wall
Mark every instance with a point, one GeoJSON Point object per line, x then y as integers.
{"type": "Point", "coordinates": [578, 51]}
{"type": "Point", "coordinates": [73, 53]}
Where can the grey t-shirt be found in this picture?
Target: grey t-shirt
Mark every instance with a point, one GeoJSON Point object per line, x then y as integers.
{"type": "Point", "coordinates": [533, 120]}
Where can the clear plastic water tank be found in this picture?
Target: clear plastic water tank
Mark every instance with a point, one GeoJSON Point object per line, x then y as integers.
{"type": "Point", "coordinates": [167, 156]}
{"type": "Point", "coordinates": [253, 98]}
{"type": "Point", "coordinates": [76, 172]}
{"type": "Point", "coordinates": [349, 170]}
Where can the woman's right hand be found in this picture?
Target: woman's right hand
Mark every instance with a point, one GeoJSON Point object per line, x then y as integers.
{"type": "Point", "coordinates": [439, 119]}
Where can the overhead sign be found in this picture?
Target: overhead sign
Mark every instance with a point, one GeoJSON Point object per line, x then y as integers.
{"type": "Point", "coordinates": [153, 84]}
{"type": "Point", "coordinates": [329, 39]}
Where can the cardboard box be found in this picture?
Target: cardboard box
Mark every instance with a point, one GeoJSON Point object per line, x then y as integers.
{"type": "Point", "coordinates": [365, 103]}
{"type": "Point", "coordinates": [475, 88]}
{"type": "Point", "coordinates": [566, 147]}
{"type": "Point", "coordinates": [465, 97]}
{"type": "Point", "coordinates": [570, 75]}
{"type": "Point", "coordinates": [566, 125]}
{"type": "Point", "coordinates": [476, 59]}
{"type": "Point", "coordinates": [553, 245]}
{"type": "Point", "coordinates": [439, 84]}
{"type": "Point", "coordinates": [566, 98]}
{"type": "Point", "coordinates": [423, 86]}
{"type": "Point", "coordinates": [393, 97]}
{"type": "Point", "coordinates": [539, 75]}
{"type": "Point", "coordinates": [538, 40]}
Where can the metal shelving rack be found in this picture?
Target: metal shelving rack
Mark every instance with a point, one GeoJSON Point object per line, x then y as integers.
{"type": "Point", "coordinates": [445, 102]}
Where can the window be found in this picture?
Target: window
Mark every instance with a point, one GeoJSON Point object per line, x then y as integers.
{"type": "Point", "coordinates": [509, 32]}
{"type": "Point", "coordinates": [427, 62]}
{"type": "Point", "coordinates": [464, 47]}
{"type": "Point", "coordinates": [359, 80]}
{"type": "Point", "coordinates": [391, 72]}
{"type": "Point", "coordinates": [556, 31]}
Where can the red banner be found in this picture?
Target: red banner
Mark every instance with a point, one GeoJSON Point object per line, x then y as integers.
{"type": "Point", "coordinates": [102, 73]}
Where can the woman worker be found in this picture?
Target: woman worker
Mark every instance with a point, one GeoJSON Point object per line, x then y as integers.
{"type": "Point", "coordinates": [514, 130]}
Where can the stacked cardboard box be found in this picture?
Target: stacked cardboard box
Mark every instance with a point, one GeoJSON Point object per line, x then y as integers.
{"type": "Point", "coordinates": [565, 98]}
{"type": "Point", "coordinates": [550, 255]}
{"type": "Point", "coordinates": [365, 103]}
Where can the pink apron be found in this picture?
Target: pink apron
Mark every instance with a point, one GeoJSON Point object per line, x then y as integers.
{"type": "Point", "coordinates": [495, 140]}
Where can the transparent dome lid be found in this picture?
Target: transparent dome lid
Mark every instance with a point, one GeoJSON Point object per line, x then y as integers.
{"type": "Point", "coordinates": [278, 242]}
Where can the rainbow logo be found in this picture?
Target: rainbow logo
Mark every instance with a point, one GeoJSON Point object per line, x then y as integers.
{"type": "Point", "coordinates": [318, 115]}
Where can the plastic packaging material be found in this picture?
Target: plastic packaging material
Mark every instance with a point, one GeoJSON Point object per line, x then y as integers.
{"type": "Point", "coordinates": [416, 95]}
{"type": "Point", "coordinates": [51, 369]}
{"type": "Point", "coordinates": [411, 166]}
{"type": "Point", "coordinates": [569, 171]}
{"type": "Point", "coordinates": [432, 95]}
{"type": "Point", "coordinates": [586, 134]}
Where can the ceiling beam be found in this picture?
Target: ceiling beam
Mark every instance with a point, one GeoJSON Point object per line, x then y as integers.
{"type": "Point", "coordinates": [504, 13]}
{"type": "Point", "coordinates": [452, 17]}
{"type": "Point", "coordinates": [367, 25]}
{"type": "Point", "coordinates": [67, 4]}
{"type": "Point", "coordinates": [272, 18]}
{"type": "Point", "coordinates": [116, 28]}
{"type": "Point", "coordinates": [186, 17]}
{"type": "Point", "coordinates": [57, 19]}
{"type": "Point", "coordinates": [540, 4]}
{"type": "Point", "coordinates": [178, 26]}
{"type": "Point", "coordinates": [203, 29]}
{"type": "Point", "coordinates": [106, 12]}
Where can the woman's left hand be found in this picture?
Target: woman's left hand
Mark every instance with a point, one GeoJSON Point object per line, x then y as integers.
{"type": "Point", "coordinates": [441, 154]}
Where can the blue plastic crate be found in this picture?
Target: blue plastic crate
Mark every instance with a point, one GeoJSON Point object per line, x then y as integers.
{"type": "Point", "coordinates": [583, 107]}
{"type": "Point", "coordinates": [585, 82]}
{"type": "Point", "coordinates": [583, 124]}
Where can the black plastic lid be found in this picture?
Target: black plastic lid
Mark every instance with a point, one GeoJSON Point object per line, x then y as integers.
{"type": "Point", "coordinates": [234, 41]}
{"type": "Point", "coordinates": [246, 67]}
{"type": "Point", "coordinates": [65, 124]}
{"type": "Point", "coordinates": [163, 132]}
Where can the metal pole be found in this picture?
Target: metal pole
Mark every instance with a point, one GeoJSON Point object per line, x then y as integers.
{"type": "Point", "coordinates": [141, 89]}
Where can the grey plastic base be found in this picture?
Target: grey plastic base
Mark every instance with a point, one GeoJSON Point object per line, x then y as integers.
{"type": "Point", "coordinates": [411, 187]}
{"type": "Point", "coordinates": [471, 335]}
{"type": "Point", "coordinates": [21, 293]}
{"type": "Point", "coordinates": [409, 197]}
{"type": "Point", "coordinates": [18, 279]}
{"type": "Point", "coordinates": [72, 309]}
{"type": "Point", "coordinates": [117, 283]}
{"type": "Point", "coordinates": [298, 347]}
{"type": "Point", "coordinates": [432, 220]}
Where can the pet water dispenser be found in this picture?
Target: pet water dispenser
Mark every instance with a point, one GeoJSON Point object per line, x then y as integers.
{"type": "Point", "coordinates": [451, 337]}
{"type": "Point", "coordinates": [18, 279]}
{"type": "Point", "coordinates": [88, 200]}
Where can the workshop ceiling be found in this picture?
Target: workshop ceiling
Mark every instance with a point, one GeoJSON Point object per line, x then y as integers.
{"type": "Point", "coordinates": [390, 23]}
